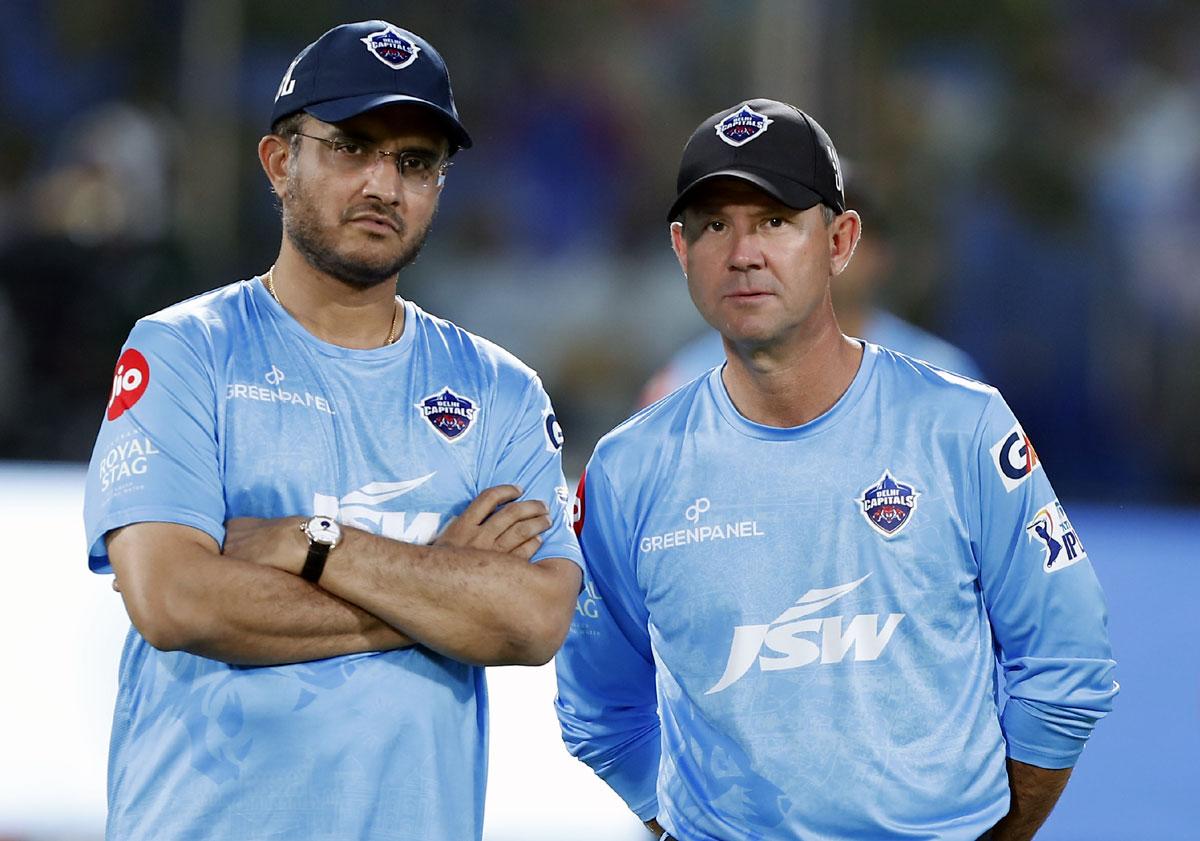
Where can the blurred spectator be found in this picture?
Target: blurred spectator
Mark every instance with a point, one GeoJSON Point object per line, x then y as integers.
{"type": "Point", "coordinates": [93, 255]}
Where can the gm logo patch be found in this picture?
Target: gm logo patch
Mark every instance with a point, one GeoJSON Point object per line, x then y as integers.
{"type": "Point", "coordinates": [1014, 458]}
{"type": "Point", "coordinates": [449, 413]}
{"type": "Point", "coordinates": [1060, 544]}
{"type": "Point", "coordinates": [554, 433]}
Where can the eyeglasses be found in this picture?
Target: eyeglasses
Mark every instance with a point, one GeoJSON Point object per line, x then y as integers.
{"type": "Point", "coordinates": [418, 170]}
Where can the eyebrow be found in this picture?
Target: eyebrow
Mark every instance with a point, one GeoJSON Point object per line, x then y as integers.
{"type": "Point", "coordinates": [418, 149]}
{"type": "Point", "coordinates": [433, 154]}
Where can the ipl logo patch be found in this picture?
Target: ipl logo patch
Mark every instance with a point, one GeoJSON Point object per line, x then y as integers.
{"type": "Point", "coordinates": [1060, 544]}
{"type": "Point", "coordinates": [888, 504]}
{"type": "Point", "coordinates": [742, 127]}
{"type": "Point", "coordinates": [392, 47]}
{"type": "Point", "coordinates": [449, 414]}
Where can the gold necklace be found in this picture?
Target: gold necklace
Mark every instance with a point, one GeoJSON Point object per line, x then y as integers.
{"type": "Point", "coordinates": [269, 282]}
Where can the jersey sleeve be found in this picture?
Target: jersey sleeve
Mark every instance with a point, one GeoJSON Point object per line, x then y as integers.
{"type": "Point", "coordinates": [532, 460]}
{"type": "Point", "coordinates": [607, 706]}
{"type": "Point", "coordinates": [156, 456]}
{"type": "Point", "coordinates": [1047, 612]}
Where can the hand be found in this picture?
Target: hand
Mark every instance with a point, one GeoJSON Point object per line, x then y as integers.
{"type": "Point", "coordinates": [494, 522]}
{"type": "Point", "coordinates": [278, 542]}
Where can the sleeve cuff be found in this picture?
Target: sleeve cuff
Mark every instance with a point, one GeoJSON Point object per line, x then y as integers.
{"type": "Point", "coordinates": [1035, 739]}
{"type": "Point", "coordinates": [635, 777]}
{"type": "Point", "coordinates": [98, 550]}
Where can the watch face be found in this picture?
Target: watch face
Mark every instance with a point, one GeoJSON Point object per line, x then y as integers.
{"type": "Point", "coordinates": [324, 530]}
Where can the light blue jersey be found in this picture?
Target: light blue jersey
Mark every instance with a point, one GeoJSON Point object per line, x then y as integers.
{"type": "Point", "coordinates": [823, 607]}
{"type": "Point", "coordinates": [705, 351]}
{"type": "Point", "coordinates": [224, 406]}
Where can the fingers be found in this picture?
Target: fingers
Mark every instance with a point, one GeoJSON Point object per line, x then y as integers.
{"type": "Point", "coordinates": [115, 585]}
{"type": "Point", "coordinates": [520, 532]}
{"type": "Point", "coordinates": [488, 501]}
{"type": "Point", "coordinates": [527, 549]}
{"type": "Point", "coordinates": [511, 514]}
{"type": "Point", "coordinates": [495, 521]}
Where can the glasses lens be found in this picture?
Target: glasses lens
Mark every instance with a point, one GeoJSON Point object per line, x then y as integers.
{"type": "Point", "coordinates": [417, 171]}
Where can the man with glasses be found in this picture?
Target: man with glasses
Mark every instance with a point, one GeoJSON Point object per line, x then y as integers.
{"type": "Point", "coordinates": [326, 509]}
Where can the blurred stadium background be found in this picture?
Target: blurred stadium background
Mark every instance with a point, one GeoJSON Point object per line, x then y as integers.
{"type": "Point", "coordinates": [1040, 163]}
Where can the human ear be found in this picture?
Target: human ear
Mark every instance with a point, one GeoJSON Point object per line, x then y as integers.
{"type": "Point", "coordinates": [679, 245]}
{"type": "Point", "coordinates": [274, 152]}
{"type": "Point", "coordinates": [844, 233]}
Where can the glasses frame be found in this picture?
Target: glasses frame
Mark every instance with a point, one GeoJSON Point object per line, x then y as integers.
{"type": "Point", "coordinates": [332, 143]}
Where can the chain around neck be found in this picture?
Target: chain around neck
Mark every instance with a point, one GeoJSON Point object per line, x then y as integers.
{"type": "Point", "coordinates": [269, 282]}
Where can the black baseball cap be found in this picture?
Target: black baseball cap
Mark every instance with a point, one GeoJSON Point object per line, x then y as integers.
{"type": "Point", "coordinates": [775, 146]}
{"type": "Point", "coordinates": [356, 67]}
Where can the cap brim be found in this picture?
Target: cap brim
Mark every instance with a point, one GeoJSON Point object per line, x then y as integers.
{"type": "Point", "coordinates": [785, 190]}
{"type": "Point", "coordinates": [336, 110]}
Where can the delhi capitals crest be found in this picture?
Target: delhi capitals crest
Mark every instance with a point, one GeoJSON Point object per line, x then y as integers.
{"type": "Point", "coordinates": [449, 413]}
{"type": "Point", "coordinates": [888, 504]}
{"type": "Point", "coordinates": [743, 126]}
{"type": "Point", "coordinates": [392, 47]}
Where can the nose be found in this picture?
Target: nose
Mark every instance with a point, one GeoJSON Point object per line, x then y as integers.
{"type": "Point", "coordinates": [383, 182]}
{"type": "Point", "coordinates": [745, 251]}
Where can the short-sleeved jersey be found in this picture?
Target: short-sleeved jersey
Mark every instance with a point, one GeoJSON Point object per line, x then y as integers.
{"type": "Point", "coordinates": [880, 327]}
{"type": "Point", "coordinates": [224, 406]}
{"type": "Point", "coordinates": [823, 608]}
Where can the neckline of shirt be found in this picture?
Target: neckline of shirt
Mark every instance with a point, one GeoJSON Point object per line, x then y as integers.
{"type": "Point", "coordinates": [844, 404]}
{"type": "Point", "coordinates": [403, 342]}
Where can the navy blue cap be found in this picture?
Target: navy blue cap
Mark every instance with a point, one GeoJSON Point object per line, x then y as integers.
{"type": "Point", "coordinates": [356, 67]}
{"type": "Point", "coordinates": [772, 145]}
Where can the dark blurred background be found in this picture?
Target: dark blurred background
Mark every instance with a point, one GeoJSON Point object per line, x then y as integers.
{"type": "Point", "coordinates": [1039, 162]}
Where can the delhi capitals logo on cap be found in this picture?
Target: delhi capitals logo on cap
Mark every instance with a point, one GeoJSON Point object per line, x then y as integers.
{"type": "Point", "coordinates": [392, 47]}
{"type": "Point", "coordinates": [742, 126]}
{"type": "Point", "coordinates": [449, 413]}
{"type": "Point", "coordinates": [888, 504]}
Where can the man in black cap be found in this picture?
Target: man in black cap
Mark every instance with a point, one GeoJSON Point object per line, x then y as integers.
{"type": "Point", "coordinates": [854, 300]}
{"type": "Point", "coordinates": [804, 565]}
{"type": "Point", "coordinates": [326, 509]}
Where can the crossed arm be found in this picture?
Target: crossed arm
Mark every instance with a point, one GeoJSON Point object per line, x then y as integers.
{"type": "Point", "coordinates": [473, 595]}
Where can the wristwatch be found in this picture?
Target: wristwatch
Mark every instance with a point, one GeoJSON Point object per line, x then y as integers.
{"type": "Point", "coordinates": [323, 535]}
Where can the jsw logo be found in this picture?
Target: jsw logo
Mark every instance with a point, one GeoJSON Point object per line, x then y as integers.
{"type": "Point", "coordinates": [360, 508]}
{"type": "Point", "coordinates": [784, 637]}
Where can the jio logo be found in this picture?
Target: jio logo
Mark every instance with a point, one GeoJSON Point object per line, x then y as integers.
{"type": "Point", "coordinates": [129, 382]}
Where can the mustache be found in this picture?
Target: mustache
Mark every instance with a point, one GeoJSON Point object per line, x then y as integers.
{"type": "Point", "coordinates": [374, 209]}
